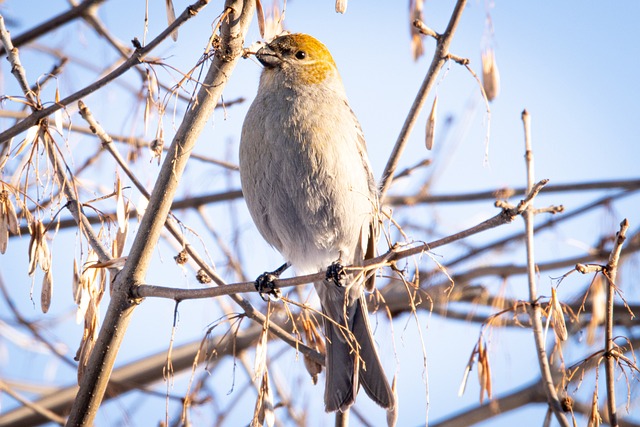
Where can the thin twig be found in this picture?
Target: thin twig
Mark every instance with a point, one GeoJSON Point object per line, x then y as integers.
{"type": "Point", "coordinates": [534, 307]}
{"type": "Point", "coordinates": [16, 66]}
{"type": "Point", "coordinates": [440, 57]}
{"type": "Point", "coordinates": [141, 373]}
{"type": "Point", "coordinates": [136, 58]}
{"type": "Point", "coordinates": [174, 229]}
{"type": "Point", "coordinates": [394, 254]}
{"type": "Point", "coordinates": [58, 164]}
{"type": "Point", "coordinates": [410, 200]}
{"type": "Point", "coordinates": [611, 272]}
{"type": "Point", "coordinates": [38, 409]}
{"type": "Point", "coordinates": [54, 23]}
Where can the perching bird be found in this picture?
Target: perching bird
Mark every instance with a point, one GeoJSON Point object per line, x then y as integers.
{"type": "Point", "coordinates": [309, 188]}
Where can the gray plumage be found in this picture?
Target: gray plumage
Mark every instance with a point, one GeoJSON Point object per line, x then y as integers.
{"type": "Point", "coordinates": [309, 188]}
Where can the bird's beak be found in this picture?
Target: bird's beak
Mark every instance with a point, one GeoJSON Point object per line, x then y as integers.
{"type": "Point", "coordinates": [268, 57]}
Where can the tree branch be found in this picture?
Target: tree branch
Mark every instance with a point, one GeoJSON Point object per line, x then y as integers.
{"type": "Point", "coordinates": [533, 306]}
{"type": "Point", "coordinates": [611, 272]}
{"type": "Point", "coordinates": [135, 59]}
{"type": "Point", "coordinates": [94, 381]}
{"type": "Point", "coordinates": [440, 57]}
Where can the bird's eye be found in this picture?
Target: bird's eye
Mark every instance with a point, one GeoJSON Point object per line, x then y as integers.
{"type": "Point", "coordinates": [301, 54]}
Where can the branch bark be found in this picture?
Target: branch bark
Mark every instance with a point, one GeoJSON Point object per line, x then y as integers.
{"type": "Point", "coordinates": [95, 379]}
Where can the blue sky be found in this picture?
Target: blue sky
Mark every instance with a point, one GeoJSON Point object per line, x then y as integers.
{"type": "Point", "coordinates": [572, 65]}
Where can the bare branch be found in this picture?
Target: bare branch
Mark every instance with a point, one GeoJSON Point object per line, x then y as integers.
{"type": "Point", "coordinates": [611, 272]}
{"type": "Point", "coordinates": [135, 59]}
{"type": "Point", "coordinates": [440, 57]}
{"type": "Point", "coordinates": [54, 23]}
{"type": "Point", "coordinates": [534, 307]}
{"type": "Point", "coordinates": [95, 379]}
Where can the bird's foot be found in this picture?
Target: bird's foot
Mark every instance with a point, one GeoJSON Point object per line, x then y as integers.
{"type": "Point", "coordinates": [337, 273]}
{"type": "Point", "coordinates": [265, 285]}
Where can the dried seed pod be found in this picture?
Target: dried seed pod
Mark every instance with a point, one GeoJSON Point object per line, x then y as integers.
{"type": "Point", "coordinates": [273, 23]}
{"type": "Point", "coordinates": [484, 372]}
{"type": "Point", "coordinates": [313, 368]}
{"type": "Point", "coordinates": [490, 75]}
{"type": "Point", "coordinates": [341, 6]}
{"type": "Point", "coordinates": [47, 291]}
{"type": "Point", "coordinates": [598, 308]}
{"type": "Point", "coordinates": [8, 220]}
{"type": "Point", "coordinates": [415, 15]}
{"type": "Point", "coordinates": [431, 125]}
{"type": "Point", "coordinates": [38, 249]}
{"type": "Point", "coordinates": [559, 325]}
{"type": "Point", "coordinates": [171, 16]}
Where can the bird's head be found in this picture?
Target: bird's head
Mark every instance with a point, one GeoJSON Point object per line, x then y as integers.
{"type": "Point", "coordinates": [299, 56]}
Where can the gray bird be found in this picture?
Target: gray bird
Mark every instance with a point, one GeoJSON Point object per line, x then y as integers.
{"type": "Point", "coordinates": [309, 188]}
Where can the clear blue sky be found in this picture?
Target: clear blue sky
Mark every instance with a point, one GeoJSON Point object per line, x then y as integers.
{"type": "Point", "coordinates": [572, 65]}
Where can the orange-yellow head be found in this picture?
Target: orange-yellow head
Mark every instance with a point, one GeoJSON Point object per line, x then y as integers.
{"type": "Point", "coordinates": [300, 56]}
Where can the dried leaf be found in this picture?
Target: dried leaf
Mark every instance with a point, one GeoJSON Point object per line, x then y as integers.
{"type": "Point", "coordinates": [415, 13]}
{"type": "Point", "coordinates": [83, 304]}
{"type": "Point", "coordinates": [121, 239]}
{"type": "Point", "coordinates": [266, 416]}
{"type": "Point", "coordinates": [141, 206]}
{"type": "Point", "coordinates": [13, 224]}
{"type": "Point", "coordinates": [260, 364]}
{"type": "Point", "coordinates": [313, 368]}
{"type": "Point", "coordinates": [157, 145]}
{"type": "Point", "coordinates": [147, 112]}
{"type": "Point", "coordinates": [171, 17]}
{"type": "Point", "coordinates": [8, 220]}
{"type": "Point", "coordinates": [465, 378]}
{"type": "Point", "coordinates": [313, 340]}
{"type": "Point", "coordinates": [4, 235]}
{"type": "Point", "coordinates": [598, 309]}
{"type": "Point", "coordinates": [38, 249]}
{"type": "Point", "coordinates": [89, 337]}
{"type": "Point", "coordinates": [57, 118]}
{"type": "Point", "coordinates": [490, 75]}
{"type": "Point", "coordinates": [92, 284]}
{"type": "Point", "coordinates": [484, 371]}
{"type": "Point", "coordinates": [75, 283]}
{"type": "Point", "coordinates": [151, 84]}
{"type": "Point", "coordinates": [30, 137]}
{"type": "Point", "coordinates": [417, 48]}
{"type": "Point", "coordinates": [559, 325]}
{"type": "Point", "coordinates": [273, 23]}
{"type": "Point", "coordinates": [112, 263]}
{"type": "Point", "coordinates": [5, 153]}
{"type": "Point", "coordinates": [47, 291]}
{"type": "Point", "coordinates": [431, 125]}
{"type": "Point", "coordinates": [121, 214]}
{"type": "Point", "coordinates": [260, 17]}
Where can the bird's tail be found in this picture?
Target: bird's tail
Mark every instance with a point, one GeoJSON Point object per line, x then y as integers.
{"type": "Point", "coordinates": [352, 360]}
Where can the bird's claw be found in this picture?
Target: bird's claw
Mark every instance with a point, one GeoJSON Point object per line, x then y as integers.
{"type": "Point", "coordinates": [265, 284]}
{"type": "Point", "coordinates": [266, 287]}
{"type": "Point", "coordinates": [337, 273]}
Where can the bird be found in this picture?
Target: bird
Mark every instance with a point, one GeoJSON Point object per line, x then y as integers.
{"type": "Point", "coordinates": [310, 190]}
